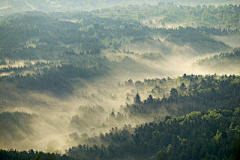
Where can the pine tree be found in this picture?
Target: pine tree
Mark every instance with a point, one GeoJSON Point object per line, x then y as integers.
{"type": "Point", "coordinates": [137, 99]}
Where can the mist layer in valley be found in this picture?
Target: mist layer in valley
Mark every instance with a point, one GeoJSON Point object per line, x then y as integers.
{"type": "Point", "coordinates": [68, 77]}
{"type": "Point", "coordinates": [48, 122]}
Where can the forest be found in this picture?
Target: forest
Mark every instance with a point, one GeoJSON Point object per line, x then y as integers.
{"type": "Point", "coordinates": [119, 80]}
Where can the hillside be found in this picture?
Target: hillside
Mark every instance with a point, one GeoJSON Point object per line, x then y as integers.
{"type": "Point", "coordinates": [221, 62]}
{"type": "Point", "coordinates": [210, 131]}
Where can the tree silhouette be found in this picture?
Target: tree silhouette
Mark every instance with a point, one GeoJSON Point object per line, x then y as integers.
{"type": "Point", "coordinates": [137, 99]}
{"type": "Point", "coordinates": [173, 93]}
{"type": "Point", "coordinates": [150, 99]}
{"type": "Point", "coordinates": [183, 87]}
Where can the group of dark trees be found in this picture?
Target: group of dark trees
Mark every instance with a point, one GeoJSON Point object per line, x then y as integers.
{"type": "Point", "coordinates": [195, 93]}
{"type": "Point", "coordinates": [198, 135]}
{"type": "Point", "coordinates": [191, 36]}
{"type": "Point", "coordinates": [33, 155]}
{"type": "Point", "coordinates": [55, 79]}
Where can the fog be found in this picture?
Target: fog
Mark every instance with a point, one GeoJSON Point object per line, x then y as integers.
{"type": "Point", "coordinates": [10, 6]}
{"type": "Point", "coordinates": [231, 40]}
{"type": "Point", "coordinates": [50, 122]}
{"type": "Point", "coordinates": [54, 122]}
{"type": "Point", "coordinates": [18, 6]}
{"type": "Point", "coordinates": [57, 123]}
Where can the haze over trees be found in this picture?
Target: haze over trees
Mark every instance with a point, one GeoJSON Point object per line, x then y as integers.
{"type": "Point", "coordinates": [119, 79]}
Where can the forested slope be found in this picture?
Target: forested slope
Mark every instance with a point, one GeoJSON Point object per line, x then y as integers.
{"type": "Point", "coordinates": [168, 15]}
{"type": "Point", "coordinates": [198, 135]}
{"type": "Point", "coordinates": [206, 126]}
{"type": "Point", "coordinates": [210, 132]}
{"type": "Point", "coordinates": [221, 62]}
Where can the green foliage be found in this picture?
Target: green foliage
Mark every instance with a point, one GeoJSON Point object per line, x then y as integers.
{"type": "Point", "coordinates": [161, 155]}
{"type": "Point", "coordinates": [202, 93]}
{"type": "Point", "coordinates": [194, 139]}
{"type": "Point", "coordinates": [210, 132]}
{"type": "Point", "coordinates": [194, 38]}
{"type": "Point", "coordinates": [222, 16]}
{"type": "Point", "coordinates": [152, 56]}
{"type": "Point", "coordinates": [221, 62]}
{"type": "Point", "coordinates": [31, 33]}
{"type": "Point", "coordinates": [57, 79]}
{"type": "Point", "coordinates": [173, 93]}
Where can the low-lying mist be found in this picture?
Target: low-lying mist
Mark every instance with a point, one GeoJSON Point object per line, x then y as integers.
{"type": "Point", "coordinates": [40, 120]}
{"type": "Point", "coordinates": [231, 40]}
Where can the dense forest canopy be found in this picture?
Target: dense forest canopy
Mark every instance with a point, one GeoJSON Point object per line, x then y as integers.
{"type": "Point", "coordinates": [101, 79]}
